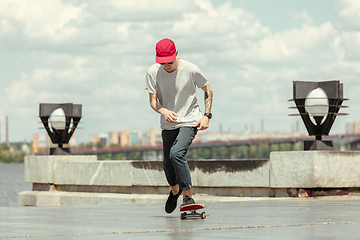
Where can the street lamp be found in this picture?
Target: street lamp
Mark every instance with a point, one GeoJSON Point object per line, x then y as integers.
{"type": "Point", "coordinates": [322, 101]}
{"type": "Point", "coordinates": [63, 119]}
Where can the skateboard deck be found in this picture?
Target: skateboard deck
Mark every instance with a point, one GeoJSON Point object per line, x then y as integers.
{"type": "Point", "coordinates": [190, 211]}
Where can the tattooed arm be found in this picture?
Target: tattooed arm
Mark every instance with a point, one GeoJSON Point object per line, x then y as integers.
{"type": "Point", "coordinates": [203, 123]}
{"type": "Point", "coordinates": [208, 98]}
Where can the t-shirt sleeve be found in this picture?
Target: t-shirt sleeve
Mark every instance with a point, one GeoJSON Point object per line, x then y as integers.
{"type": "Point", "coordinates": [199, 78]}
{"type": "Point", "coordinates": [150, 83]}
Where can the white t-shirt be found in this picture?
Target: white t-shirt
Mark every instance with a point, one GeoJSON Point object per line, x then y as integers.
{"type": "Point", "coordinates": [176, 91]}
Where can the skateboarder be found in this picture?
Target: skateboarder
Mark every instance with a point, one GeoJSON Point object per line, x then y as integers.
{"type": "Point", "coordinates": [171, 83]}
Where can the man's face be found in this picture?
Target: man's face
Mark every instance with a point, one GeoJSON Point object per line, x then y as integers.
{"type": "Point", "coordinates": [169, 67]}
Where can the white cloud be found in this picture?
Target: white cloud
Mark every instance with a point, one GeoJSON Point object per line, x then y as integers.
{"type": "Point", "coordinates": [97, 53]}
{"type": "Point", "coordinates": [284, 46]}
{"type": "Point", "coordinates": [227, 22]}
{"type": "Point", "coordinates": [125, 11]}
{"type": "Point", "coordinates": [348, 20]}
{"type": "Point", "coordinates": [347, 45]}
{"type": "Point", "coordinates": [304, 17]}
{"type": "Point", "coordinates": [38, 19]}
{"type": "Point", "coordinates": [347, 12]}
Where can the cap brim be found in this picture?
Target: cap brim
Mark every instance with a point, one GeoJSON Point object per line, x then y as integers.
{"type": "Point", "coordinates": [167, 59]}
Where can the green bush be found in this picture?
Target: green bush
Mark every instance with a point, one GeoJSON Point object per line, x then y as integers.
{"type": "Point", "coordinates": [11, 154]}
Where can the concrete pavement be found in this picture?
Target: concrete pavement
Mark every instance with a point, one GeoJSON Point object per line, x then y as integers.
{"type": "Point", "coordinates": [249, 218]}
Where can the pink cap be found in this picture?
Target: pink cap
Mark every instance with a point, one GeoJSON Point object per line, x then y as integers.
{"type": "Point", "coordinates": [165, 51]}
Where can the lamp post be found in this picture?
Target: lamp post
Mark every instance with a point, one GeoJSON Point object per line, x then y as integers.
{"type": "Point", "coordinates": [63, 119]}
{"type": "Point", "coordinates": [322, 101]}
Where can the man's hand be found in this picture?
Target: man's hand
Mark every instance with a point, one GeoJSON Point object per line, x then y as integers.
{"type": "Point", "coordinates": [170, 116]}
{"type": "Point", "coordinates": [203, 123]}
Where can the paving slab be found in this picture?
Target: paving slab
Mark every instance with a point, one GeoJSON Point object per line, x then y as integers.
{"type": "Point", "coordinates": [251, 218]}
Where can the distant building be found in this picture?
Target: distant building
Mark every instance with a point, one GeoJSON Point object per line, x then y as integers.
{"type": "Point", "coordinates": [43, 141]}
{"type": "Point", "coordinates": [119, 138]}
{"type": "Point", "coordinates": [124, 139]}
{"type": "Point", "coordinates": [151, 137]}
{"type": "Point", "coordinates": [135, 136]}
{"type": "Point", "coordinates": [102, 138]}
{"type": "Point", "coordinates": [353, 127]}
{"type": "Point", "coordinates": [229, 136]}
{"type": "Point", "coordinates": [72, 141]}
{"type": "Point", "coordinates": [40, 141]}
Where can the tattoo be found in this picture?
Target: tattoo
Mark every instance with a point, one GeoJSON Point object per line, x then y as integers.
{"type": "Point", "coordinates": [208, 101]}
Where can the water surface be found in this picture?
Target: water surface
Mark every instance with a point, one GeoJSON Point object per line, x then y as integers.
{"type": "Point", "coordinates": [12, 182]}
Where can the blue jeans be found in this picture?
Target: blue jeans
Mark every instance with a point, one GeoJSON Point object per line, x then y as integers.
{"type": "Point", "coordinates": [175, 145]}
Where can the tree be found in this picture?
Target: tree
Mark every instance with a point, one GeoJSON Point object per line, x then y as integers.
{"type": "Point", "coordinates": [11, 154]}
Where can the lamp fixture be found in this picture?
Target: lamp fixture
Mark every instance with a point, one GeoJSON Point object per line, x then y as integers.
{"type": "Point", "coordinates": [322, 101]}
{"type": "Point", "coordinates": [63, 119]}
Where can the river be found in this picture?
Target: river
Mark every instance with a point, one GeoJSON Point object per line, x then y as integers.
{"type": "Point", "coordinates": [12, 182]}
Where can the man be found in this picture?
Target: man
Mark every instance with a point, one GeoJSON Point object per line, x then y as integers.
{"type": "Point", "coordinates": [171, 84]}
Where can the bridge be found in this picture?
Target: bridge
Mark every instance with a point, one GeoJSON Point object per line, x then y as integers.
{"type": "Point", "coordinates": [236, 149]}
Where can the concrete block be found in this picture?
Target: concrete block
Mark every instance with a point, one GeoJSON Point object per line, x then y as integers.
{"type": "Point", "coordinates": [337, 169]}
{"type": "Point", "coordinates": [145, 199]}
{"type": "Point", "coordinates": [230, 173]}
{"type": "Point", "coordinates": [76, 198]}
{"type": "Point", "coordinates": [27, 198]}
{"type": "Point", "coordinates": [49, 198]}
{"type": "Point", "coordinates": [113, 199]}
{"type": "Point", "coordinates": [207, 173]}
{"type": "Point", "coordinates": [148, 173]}
{"type": "Point", "coordinates": [104, 173]}
{"type": "Point", "coordinates": [291, 170]}
{"type": "Point", "coordinates": [314, 169]}
{"type": "Point", "coordinates": [39, 169]}
{"type": "Point", "coordinates": [281, 192]}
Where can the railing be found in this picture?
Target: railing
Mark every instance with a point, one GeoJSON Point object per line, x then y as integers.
{"type": "Point", "coordinates": [236, 149]}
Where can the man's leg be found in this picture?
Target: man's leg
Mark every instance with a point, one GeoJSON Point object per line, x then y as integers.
{"type": "Point", "coordinates": [177, 156]}
{"type": "Point", "coordinates": [175, 189]}
{"type": "Point", "coordinates": [169, 137]}
{"type": "Point", "coordinates": [187, 193]}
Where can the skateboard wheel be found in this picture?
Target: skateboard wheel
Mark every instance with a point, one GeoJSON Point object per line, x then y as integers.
{"type": "Point", "coordinates": [183, 215]}
{"type": "Point", "coordinates": [203, 215]}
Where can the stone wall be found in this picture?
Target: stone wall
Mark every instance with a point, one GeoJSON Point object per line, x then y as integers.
{"type": "Point", "coordinates": [63, 180]}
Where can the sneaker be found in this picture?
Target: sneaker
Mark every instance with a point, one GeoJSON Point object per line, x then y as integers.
{"type": "Point", "coordinates": [171, 202]}
{"type": "Point", "coordinates": [187, 201]}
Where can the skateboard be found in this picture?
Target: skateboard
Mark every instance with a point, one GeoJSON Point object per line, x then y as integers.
{"type": "Point", "coordinates": [190, 211]}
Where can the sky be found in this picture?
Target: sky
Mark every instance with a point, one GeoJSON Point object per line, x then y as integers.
{"type": "Point", "coordinates": [96, 53]}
